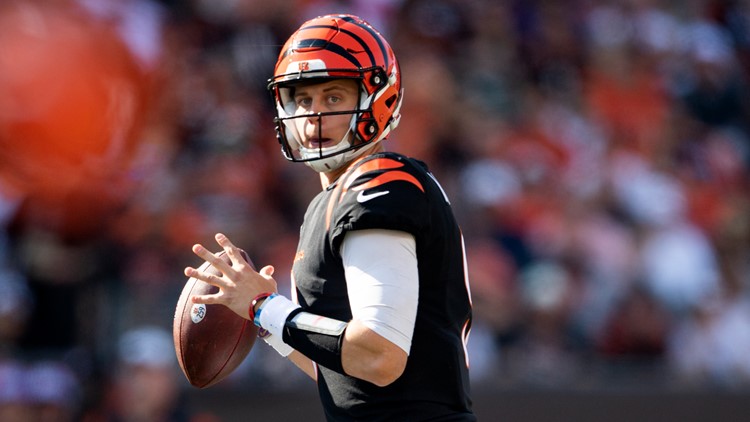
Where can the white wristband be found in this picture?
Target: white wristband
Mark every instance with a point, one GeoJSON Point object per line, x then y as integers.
{"type": "Point", "coordinates": [273, 313]}
{"type": "Point", "coordinates": [276, 342]}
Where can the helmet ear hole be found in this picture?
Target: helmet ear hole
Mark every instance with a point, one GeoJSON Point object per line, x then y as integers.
{"type": "Point", "coordinates": [378, 79]}
{"type": "Point", "coordinates": [367, 128]}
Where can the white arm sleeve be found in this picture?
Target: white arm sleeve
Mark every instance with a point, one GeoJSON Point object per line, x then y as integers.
{"type": "Point", "coordinates": [383, 282]}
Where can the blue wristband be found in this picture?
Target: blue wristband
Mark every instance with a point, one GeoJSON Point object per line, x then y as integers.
{"type": "Point", "coordinates": [267, 297]}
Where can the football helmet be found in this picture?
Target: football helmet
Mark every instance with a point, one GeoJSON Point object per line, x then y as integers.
{"type": "Point", "coordinates": [337, 47]}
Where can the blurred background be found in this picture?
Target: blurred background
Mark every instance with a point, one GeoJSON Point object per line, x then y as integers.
{"type": "Point", "coordinates": [596, 152]}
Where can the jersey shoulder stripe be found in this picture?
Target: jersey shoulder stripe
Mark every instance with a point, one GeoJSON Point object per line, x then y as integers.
{"type": "Point", "coordinates": [379, 164]}
{"type": "Point", "coordinates": [385, 166]}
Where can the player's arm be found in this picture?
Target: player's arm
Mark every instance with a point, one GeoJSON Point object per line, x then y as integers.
{"type": "Point", "coordinates": [382, 280]}
{"type": "Point", "coordinates": [383, 285]}
{"type": "Point", "coordinates": [304, 363]}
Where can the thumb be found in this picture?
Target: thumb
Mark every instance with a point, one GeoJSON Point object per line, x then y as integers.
{"type": "Point", "coordinates": [267, 270]}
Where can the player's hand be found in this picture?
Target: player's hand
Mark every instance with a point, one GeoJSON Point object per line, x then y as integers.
{"type": "Point", "coordinates": [239, 282]}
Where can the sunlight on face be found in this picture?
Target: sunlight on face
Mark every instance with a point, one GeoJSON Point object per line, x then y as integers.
{"type": "Point", "coordinates": [338, 95]}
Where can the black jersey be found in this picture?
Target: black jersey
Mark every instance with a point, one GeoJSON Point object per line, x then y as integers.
{"type": "Point", "coordinates": [390, 191]}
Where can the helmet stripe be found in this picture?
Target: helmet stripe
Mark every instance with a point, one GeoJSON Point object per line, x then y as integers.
{"type": "Point", "coordinates": [375, 35]}
{"type": "Point", "coordinates": [320, 43]}
{"type": "Point", "coordinates": [354, 36]}
{"type": "Point", "coordinates": [363, 43]}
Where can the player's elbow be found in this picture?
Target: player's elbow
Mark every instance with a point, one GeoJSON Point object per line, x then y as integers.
{"type": "Point", "coordinates": [385, 369]}
{"type": "Point", "coordinates": [367, 355]}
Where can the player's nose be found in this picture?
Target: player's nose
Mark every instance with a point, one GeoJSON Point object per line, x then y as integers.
{"type": "Point", "coordinates": [315, 117]}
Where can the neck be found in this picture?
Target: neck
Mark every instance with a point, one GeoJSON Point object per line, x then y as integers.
{"type": "Point", "coordinates": [327, 179]}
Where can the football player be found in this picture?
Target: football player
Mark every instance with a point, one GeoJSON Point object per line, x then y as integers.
{"type": "Point", "coordinates": [381, 307]}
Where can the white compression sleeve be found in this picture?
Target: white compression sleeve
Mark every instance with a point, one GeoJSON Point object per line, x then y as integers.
{"type": "Point", "coordinates": [383, 282]}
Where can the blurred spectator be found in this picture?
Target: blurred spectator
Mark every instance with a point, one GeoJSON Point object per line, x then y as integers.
{"type": "Point", "coordinates": [546, 355]}
{"type": "Point", "coordinates": [13, 403]}
{"type": "Point", "coordinates": [717, 92]}
{"type": "Point", "coordinates": [143, 384]}
{"type": "Point", "coordinates": [637, 329]}
{"type": "Point", "coordinates": [54, 391]}
{"type": "Point", "coordinates": [680, 267]}
{"type": "Point", "coordinates": [45, 390]}
{"type": "Point", "coordinates": [16, 307]}
{"type": "Point", "coordinates": [712, 345]}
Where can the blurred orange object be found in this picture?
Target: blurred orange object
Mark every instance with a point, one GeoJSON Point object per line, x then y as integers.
{"type": "Point", "coordinates": [72, 99]}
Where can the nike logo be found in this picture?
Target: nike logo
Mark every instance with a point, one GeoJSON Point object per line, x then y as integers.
{"type": "Point", "coordinates": [363, 197]}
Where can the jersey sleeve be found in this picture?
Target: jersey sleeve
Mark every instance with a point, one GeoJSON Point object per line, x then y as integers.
{"type": "Point", "coordinates": [383, 279]}
{"type": "Point", "coordinates": [386, 191]}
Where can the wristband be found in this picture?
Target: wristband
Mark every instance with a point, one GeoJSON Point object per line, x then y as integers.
{"type": "Point", "coordinates": [323, 349]}
{"type": "Point", "coordinates": [254, 302]}
{"type": "Point", "coordinates": [273, 313]}
{"type": "Point", "coordinates": [276, 342]}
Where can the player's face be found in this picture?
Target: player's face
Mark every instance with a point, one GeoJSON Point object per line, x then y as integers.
{"type": "Point", "coordinates": [339, 95]}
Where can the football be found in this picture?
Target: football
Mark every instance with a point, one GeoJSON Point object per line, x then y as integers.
{"type": "Point", "coordinates": [210, 340]}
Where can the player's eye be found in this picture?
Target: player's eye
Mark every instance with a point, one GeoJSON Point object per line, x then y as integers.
{"type": "Point", "coordinates": [341, 97]}
{"type": "Point", "coordinates": [303, 102]}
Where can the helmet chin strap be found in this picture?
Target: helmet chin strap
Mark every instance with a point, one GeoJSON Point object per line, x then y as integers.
{"type": "Point", "coordinates": [334, 161]}
{"type": "Point", "coordinates": [337, 161]}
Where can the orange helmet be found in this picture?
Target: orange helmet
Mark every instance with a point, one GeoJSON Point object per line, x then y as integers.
{"type": "Point", "coordinates": [338, 47]}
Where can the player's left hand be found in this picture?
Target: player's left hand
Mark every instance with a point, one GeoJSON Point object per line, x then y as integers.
{"type": "Point", "coordinates": [239, 282]}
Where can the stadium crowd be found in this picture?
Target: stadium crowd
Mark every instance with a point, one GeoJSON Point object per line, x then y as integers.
{"type": "Point", "coordinates": [596, 152]}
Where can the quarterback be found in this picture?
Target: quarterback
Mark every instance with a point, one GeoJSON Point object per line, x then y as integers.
{"type": "Point", "coordinates": [381, 307]}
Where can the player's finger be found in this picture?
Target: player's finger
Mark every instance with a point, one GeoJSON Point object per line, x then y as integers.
{"type": "Point", "coordinates": [207, 299]}
{"type": "Point", "coordinates": [232, 251]}
{"type": "Point", "coordinates": [208, 278]}
{"type": "Point", "coordinates": [267, 270]}
{"type": "Point", "coordinates": [210, 257]}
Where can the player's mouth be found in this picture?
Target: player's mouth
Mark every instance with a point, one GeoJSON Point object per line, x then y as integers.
{"type": "Point", "coordinates": [320, 142]}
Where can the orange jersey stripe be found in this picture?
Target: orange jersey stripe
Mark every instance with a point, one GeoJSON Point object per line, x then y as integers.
{"type": "Point", "coordinates": [376, 164]}
{"type": "Point", "coordinates": [373, 165]}
{"type": "Point", "coordinates": [389, 177]}
{"type": "Point", "coordinates": [337, 193]}
{"type": "Point", "coordinates": [380, 164]}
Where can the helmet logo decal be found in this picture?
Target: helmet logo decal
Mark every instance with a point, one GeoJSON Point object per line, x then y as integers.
{"type": "Point", "coordinates": [304, 66]}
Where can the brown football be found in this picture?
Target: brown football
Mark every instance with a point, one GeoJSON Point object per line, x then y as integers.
{"type": "Point", "coordinates": [210, 340]}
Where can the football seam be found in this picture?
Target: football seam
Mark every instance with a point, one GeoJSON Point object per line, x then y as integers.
{"type": "Point", "coordinates": [229, 358]}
